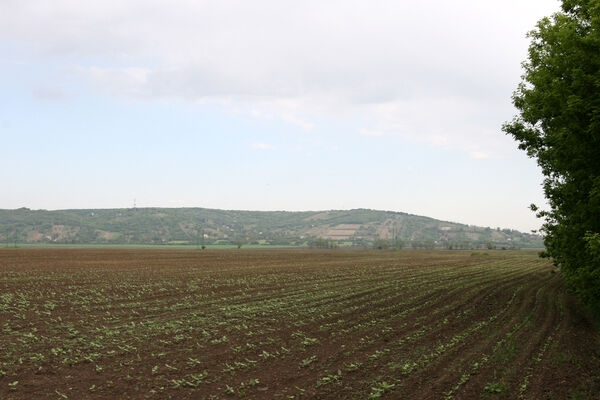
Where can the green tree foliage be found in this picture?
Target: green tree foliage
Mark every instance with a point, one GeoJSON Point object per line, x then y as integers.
{"type": "Point", "coordinates": [381, 244]}
{"type": "Point", "coordinates": [321, 243]}
{"type": "Point", "coordinates": [398, 244]}
{"type": "Point", "coordinates": [559, 124]}
{"type": "Point", "coordinates": [416, 244]}
{"type": "Point", "coordinates": [202, 226]}
{"type": "Point", "coordinates": [429, 244]}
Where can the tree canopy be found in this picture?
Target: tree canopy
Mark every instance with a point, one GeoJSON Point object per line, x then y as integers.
{"type": "Point", "coordinates": [559, 124]}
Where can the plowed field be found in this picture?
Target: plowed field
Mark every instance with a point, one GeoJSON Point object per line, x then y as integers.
{"type": "Point", "coordinates": [290, 324]}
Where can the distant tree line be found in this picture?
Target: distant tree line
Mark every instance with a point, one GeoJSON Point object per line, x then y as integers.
{"type": "Point", "coordinates": [383, 244]}
{"type": "Point", "coordinates": [321, 243]}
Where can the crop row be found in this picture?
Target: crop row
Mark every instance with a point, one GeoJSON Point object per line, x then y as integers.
{"type": "Point", "coordinates": [256, 324]}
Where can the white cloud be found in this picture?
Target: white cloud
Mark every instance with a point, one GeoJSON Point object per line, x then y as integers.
{"type": "Point", "coordinates": [439, 73]}
{"type": "Point", "coordinates": [262, 146]}
{"type": "Point", "coordinates": [479, 154]}
{"type": "Point", "coordinates": [49, 93]}
{"type": "Point", "coordinates": [129, 81]}
{"type": "Point", "coordinates": [370, 132]}
{"type": "Point", "coordinates": [295, 120]}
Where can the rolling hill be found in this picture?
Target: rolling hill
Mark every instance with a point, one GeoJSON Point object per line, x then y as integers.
{"type": "Point", "coordinates": [202, 226]}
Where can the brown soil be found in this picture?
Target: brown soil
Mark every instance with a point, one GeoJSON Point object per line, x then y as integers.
{"type": "Point", "coordinates": [290, 324]}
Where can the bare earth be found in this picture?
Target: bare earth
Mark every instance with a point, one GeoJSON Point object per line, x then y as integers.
{"type": "Point", "coordinates": [290, 324]}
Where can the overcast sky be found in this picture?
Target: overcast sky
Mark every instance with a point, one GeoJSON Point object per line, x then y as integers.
{"type": "Point", "coordinates": [267, 105]}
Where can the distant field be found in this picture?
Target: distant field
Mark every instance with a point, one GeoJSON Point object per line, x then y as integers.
{"type": "Point", "coordinates": [147, 246]}
{"type": "Point", "coordinates": [290, 324]}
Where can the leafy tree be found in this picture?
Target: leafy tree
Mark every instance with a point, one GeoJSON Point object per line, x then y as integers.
{"type": "Point", "coordinates": [381, 244]}
{"type": "Point", "coordinates": [559, 124]}
{"type": "Point", "coordinates": [324, 243]}
{"type": "Point", "coordinates": [429, 244]}
{"type": "Point", "coordinates": [398, 244]}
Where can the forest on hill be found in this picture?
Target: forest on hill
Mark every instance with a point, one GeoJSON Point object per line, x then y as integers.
{"type": "Point", "coordinates": [202, 226]}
